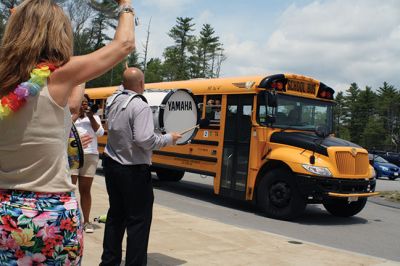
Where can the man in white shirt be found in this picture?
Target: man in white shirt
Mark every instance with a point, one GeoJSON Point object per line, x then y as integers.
{"type": "Point", "coordinates": [131, 140]}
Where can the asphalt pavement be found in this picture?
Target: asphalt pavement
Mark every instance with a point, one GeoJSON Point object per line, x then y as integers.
{"type": "Point", "coordinates": [181, 239]}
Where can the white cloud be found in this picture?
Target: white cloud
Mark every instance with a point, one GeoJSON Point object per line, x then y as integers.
{"type": "Point", "coordinates": [204, 17]}
{"type": "Point", "coordinates": [168, 5]}
{"type": "Point", "coordinates": [337, 42]}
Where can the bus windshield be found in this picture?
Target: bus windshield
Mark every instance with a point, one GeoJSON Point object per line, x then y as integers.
{"type": "Point", "coordinates": [300, 113]}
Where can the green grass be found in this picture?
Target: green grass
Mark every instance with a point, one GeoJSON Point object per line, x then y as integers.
{"type": "Point", "coordinates": [390, 195]}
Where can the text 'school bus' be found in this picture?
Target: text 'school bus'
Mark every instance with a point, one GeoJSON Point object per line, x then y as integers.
{"type": "Point", "coordinates": [268, 140]}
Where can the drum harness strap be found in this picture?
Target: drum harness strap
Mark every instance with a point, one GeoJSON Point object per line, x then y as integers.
{"type": "Point", "coordinates": [111, 99]}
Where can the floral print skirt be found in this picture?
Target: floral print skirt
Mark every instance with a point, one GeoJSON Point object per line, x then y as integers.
{"type": "Point", "coordinates": [40, 228]}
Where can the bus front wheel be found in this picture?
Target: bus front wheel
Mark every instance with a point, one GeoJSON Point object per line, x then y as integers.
{"type": "Point", "coordinates": [278, 195]}
{"type": "Point", "coordinates": [343, 208]}
{"type": "Point", "coordinates": [165, 174]}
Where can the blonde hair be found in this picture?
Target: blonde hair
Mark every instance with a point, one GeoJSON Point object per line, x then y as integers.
{"type": "Point", "coordinates": [37, 31]}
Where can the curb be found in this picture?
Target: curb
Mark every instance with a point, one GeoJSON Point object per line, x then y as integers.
{"type": "Point", "coordinates": [384, 202]}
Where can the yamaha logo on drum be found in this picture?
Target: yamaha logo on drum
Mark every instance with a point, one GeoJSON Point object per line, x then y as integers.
{"type": "Point", "coordinates": [174, 111]}
{"type": "Point", "coordinates": [180, 106]}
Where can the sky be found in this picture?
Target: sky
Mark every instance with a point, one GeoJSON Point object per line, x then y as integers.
{"type": "Point", "coordinates": [335, 41]}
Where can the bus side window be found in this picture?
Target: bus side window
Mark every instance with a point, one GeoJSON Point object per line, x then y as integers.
{"type": "Point", "coordinates": [200, 103]}
{"type": "Point", "coordinates": [213, 109]}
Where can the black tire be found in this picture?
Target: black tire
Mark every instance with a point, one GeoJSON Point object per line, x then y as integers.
{"type": "Point", "coordinates": [392, 178]}
{"type": "Point", "coordinates": [165, 174]}
{"type": "Point", "coordinates": [278, 195]}
{"type": "Point", "coordinates": [343, 208]}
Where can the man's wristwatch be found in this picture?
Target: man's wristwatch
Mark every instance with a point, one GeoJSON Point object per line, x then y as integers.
{"type": "Point", "coordinates": [125, 8]}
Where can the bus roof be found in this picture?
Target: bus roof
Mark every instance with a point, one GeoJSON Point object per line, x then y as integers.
{"type": "Point", "coordinates": [101, 92]}
{"type": "Point", "coordinates": [245, 84]}
{"type": "Point", "coordinates": [236, 85]}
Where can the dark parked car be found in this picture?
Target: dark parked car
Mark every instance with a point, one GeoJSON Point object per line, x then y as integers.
{"type": "Point", "coordinates": [391, 157]}
{"type": "Point", "coordinates": [383, 167]}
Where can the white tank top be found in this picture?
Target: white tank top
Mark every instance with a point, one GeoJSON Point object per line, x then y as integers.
{"type": "Point", "coordinates": [33, 147]}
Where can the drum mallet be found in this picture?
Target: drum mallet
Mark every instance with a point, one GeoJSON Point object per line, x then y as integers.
{"type": "Point", "coordinates": [189, 129]}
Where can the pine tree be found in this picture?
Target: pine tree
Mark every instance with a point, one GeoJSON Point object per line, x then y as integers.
{"type": "Point", "coordinates": [340, 116]}
{"type": "Point", "coordinates": [352, 112]}
{"type": "Point", "coordinates": [389, 108]}
{"type": "Point", "coordinates": [176, 58]}
{"type": "Point", "coordinates": [372, 133]}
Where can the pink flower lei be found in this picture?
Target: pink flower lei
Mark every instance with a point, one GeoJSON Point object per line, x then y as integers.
{"type": "Point", "coordinates": [15, 99]}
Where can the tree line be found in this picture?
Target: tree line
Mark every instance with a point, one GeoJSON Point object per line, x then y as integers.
{"type": "Point", "coordinates": [370, 118]}
{"type": "Point", "coordinates": [190, 56]}
{"type": "Point", "coordinates": [364, 116]}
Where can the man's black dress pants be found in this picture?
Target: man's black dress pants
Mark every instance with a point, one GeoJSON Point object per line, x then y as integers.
{"type": "Point", "coordinates": [131, 198]}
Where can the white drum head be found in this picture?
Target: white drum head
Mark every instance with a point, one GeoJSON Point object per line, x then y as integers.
{"type": "Point", "coordinates": [178, 112]}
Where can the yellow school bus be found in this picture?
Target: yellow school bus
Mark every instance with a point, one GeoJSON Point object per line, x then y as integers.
{"type": "Point", "coordinates": [268, 139]}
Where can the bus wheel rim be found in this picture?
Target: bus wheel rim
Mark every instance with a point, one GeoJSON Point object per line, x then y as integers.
{"type": "Point", "coordinates": [280, 194]}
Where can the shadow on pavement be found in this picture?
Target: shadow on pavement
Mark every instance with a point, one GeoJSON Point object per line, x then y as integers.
{"type": "Point", "coordinates": [157, 259]}
{"type": "Point", "coordinates": [314, 214]}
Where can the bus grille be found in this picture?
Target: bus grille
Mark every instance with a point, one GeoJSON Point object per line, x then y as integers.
{"type": "Point", "coordinates": [352, 165]}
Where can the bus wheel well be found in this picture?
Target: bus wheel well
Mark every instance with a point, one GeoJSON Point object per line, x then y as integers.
{"type": "Point", "coordinates": [268, 166]}
{"type": "Point", "coordinates": [168, 174]}
{"type": "Point", "coordinates": [278, 195]}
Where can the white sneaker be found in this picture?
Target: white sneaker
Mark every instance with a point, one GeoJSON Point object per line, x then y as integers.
{"type": "Point", "coordinates": [88, 228]}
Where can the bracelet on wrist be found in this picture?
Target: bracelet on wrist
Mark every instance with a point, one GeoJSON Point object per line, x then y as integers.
{"type": "Point", "coordinates": [125, 8]}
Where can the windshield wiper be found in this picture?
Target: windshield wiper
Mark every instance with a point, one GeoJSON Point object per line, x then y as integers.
{"type": "Point", "coordinates": [290, 126]}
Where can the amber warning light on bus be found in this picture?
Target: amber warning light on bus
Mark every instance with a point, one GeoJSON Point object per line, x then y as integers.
{"type": "Point", "coordinates": [325, 92]}
{"type": "Point", "coordinates": [277, 85]}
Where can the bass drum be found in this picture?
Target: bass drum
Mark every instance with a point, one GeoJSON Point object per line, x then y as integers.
{"type": "Point", "coordinates": [174, 111]}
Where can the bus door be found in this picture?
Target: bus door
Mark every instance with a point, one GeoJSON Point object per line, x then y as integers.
{"type": "Point", "coordinates": [236, 146]}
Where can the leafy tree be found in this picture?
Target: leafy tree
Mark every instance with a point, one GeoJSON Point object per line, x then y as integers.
{"type": "Point", "coordinates": [189, 57]}
{"type": "Point", "coordinates": [5, 6]}
{"type": "Point", "coordinates": [170, 65]}
{"type": "Point", "coordinates": [154, 71]}
{"type": "Point", "coordinates": [80, 14]}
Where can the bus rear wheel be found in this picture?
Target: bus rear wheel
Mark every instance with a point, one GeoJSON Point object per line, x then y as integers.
{"type": "Point", "coordinates": [343, 208]}
{"type": "Point", "coordinates": [165, 174]}
{"type": "Point", "coordinates": [278, 195]}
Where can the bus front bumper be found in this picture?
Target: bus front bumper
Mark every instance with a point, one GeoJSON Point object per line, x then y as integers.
{"type": "Point", "coordinates": [320, 189]}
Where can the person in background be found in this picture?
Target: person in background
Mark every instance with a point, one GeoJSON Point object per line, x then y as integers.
{"type": "Point", "coordinates": [217, 109]}
{"type": "Point", "coordinates": [127, 161]}
{"type": "Point", "coordinates": [39, 213]}
{"type": "Point", "coordinates": [87, 123]}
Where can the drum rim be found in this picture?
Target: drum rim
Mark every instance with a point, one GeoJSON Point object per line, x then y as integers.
{"type": "Point", "coordinates": [161, 113]}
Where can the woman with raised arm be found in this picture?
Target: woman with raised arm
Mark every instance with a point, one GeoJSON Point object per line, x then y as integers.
{"type": "Point", "coordinates": [40, 222]}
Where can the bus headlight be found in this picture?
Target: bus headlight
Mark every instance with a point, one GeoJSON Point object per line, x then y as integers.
{"type": "Point", "coordinates": [322, 171]}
